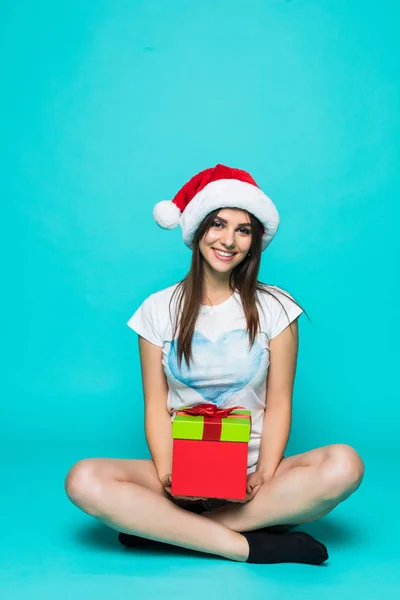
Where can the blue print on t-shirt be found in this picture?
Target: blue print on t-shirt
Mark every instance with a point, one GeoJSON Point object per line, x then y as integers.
{"type": "Point", "coordinates": [221, 368]}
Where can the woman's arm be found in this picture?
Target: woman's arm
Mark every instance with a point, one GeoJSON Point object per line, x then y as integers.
{"type": "Point", "coordinates": [159, 440]}
{"type": "Point", "coordinates": [158, 426]}
{"type": "Point", "coordinates": [278, 413]}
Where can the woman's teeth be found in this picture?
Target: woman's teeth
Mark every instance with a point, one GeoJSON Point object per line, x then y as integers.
{"type": "Point", "coordinates": [224, 256]}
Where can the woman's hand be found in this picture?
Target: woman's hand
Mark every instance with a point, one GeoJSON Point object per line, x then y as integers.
{"type": "Point", "coordinates": [254, 482]}
{"type": "Point", "coordinates": [166, 482]}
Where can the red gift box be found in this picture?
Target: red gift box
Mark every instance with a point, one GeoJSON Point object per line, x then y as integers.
{"type": "Point", "coordinates": [210, 448]}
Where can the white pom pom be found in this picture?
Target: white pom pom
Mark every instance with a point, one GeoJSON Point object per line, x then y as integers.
{"type": "Point", "coordinates": [166, 214]}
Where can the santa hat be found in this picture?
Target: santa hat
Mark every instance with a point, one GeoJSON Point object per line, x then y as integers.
{"type": "Point", "coordinates": [217, 187]}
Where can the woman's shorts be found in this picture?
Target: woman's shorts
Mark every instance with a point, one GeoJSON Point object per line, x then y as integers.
{"type": "Point", "coordinates": [213, 503]}
{"type": "Point", "coordinates": [209, 504]}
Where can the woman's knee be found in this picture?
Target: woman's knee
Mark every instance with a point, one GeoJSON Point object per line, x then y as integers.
{"type": "Point", "coordinates": [83, 484]}
{"type": "Point", "coordinates": [343, 470]}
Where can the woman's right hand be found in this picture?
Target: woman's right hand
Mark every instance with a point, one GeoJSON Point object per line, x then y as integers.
{"type": "Point", "coordinates": [166, 482]}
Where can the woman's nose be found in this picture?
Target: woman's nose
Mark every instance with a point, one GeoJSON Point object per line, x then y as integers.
{"type": "Point", "coordinates": [228, 240]}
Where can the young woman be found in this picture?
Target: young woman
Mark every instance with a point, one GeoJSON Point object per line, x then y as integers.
{"type": "Point", "coordinates": [220, 336]}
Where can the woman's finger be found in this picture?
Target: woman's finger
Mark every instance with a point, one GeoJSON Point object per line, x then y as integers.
{"type": "Point", "coordinates": [254, 490]}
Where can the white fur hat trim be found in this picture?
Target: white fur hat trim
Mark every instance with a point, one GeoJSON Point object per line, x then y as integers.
{"type": "Point", "coordinates": [166, 214]}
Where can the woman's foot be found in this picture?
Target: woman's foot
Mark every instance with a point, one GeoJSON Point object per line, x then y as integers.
{"type": "Point", "coordinates": [297, 546]}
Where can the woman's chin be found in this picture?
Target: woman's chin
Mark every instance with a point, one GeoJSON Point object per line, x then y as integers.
{"type": "Point", "coordinates": [220, 267]}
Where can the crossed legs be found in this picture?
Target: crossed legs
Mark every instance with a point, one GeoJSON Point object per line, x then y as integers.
{"type": "Point", "coordinates": [127, 496]}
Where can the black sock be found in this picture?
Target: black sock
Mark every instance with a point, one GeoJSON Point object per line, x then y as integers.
{"type": "Point", "coordinates": [277, 528]}
{"type": "Point", "coordinates": [133, 541]}
{"type": "Point", "coordinates": [297, 546]}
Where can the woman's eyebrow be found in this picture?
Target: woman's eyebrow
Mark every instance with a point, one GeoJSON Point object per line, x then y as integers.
{"type": "Point", "coordinates": [239, 225]}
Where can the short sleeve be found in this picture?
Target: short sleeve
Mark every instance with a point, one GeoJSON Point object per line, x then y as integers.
{"type": "Point", "coordinates": [146, 321]}
{"type": "Point", "coordinates": [279, 319]}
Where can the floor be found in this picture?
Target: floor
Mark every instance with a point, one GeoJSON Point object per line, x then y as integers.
{"type": "Point", "coordinates": [50, 549]}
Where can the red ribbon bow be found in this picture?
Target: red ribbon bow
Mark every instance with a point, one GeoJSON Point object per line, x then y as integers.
{"type": "Point", "coordinates": [209, 410]}
{"type": "Point", "coordinates": [212, 418]}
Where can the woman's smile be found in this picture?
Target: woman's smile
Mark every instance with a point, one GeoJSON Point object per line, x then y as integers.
{"type": "Point", "coordinates": [222, 255]}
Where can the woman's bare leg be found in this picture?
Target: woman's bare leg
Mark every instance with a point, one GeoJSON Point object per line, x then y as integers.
{"type": "Point", "coordinates": [127, 496]}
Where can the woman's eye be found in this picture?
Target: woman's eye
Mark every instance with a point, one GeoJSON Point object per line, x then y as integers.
{"type": "Point", "coordinates": [242, 229]}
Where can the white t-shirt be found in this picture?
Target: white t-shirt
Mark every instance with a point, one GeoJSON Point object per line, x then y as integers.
{"type": "Point", "coordinates": [224, 372]}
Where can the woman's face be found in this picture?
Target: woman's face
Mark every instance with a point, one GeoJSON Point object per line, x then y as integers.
{"type": "Point", "coordinates": [231, 233]}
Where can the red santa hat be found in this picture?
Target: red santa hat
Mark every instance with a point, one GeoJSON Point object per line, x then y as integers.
{"type": "Point", "coordinates": [217, 187]}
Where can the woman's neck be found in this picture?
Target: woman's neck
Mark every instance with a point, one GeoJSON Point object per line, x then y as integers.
{"type": "Point", "coordinates": [215, 286]}
{"type": "Point", "coordinates": [216, 292]}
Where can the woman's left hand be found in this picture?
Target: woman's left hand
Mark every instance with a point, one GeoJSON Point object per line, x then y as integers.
{"type": "Point", "coordinates": [254, 482]}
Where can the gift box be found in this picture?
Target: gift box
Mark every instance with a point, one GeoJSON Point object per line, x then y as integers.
{"type": "Point", "coordinates": [209, 456]}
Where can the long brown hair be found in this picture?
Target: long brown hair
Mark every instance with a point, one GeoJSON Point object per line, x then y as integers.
{"type": "Point", "coordinates": [243, 278]}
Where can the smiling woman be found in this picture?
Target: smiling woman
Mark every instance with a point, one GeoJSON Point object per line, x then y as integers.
{"type": "Point", "coordinates": [220, 336]}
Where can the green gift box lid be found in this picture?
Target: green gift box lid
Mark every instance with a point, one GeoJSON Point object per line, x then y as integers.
{"type": "Point", "coordinates": [235, 427]}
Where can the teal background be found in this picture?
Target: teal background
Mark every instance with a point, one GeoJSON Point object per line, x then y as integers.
{"type": "Point", "coordinates": [109, 107]}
